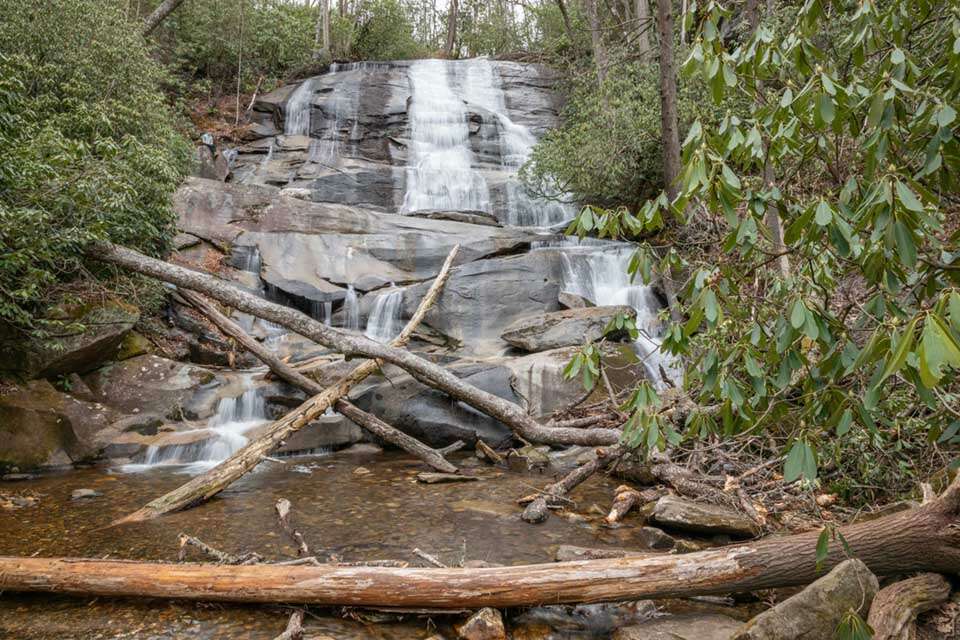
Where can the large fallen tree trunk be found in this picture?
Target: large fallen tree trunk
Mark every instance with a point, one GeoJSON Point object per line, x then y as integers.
{"type": "Point", "coordinates": [348, 344]}
{"type": "Point", "coordinates": [922, 539]}
{"type": "Point", "coordinates": [207, 485]}
{"type": "Point", "coordinates": [369, 422]}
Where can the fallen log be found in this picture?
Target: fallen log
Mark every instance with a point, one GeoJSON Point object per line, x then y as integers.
{"type": "Point", "coordinates": [509, 413]}
{"type": "Point", "coordinates": [626, 498]}
{"type": "Point", "coordinates": [895, 608]}
{"type": "Point", "coordinates": [207, 485]}
{"type": "Point", "coordinates": [363, 419]}
{"type": "Point", "coordinates": [922, 539]}
{"type": "Point", "coordinates": [539, 509]}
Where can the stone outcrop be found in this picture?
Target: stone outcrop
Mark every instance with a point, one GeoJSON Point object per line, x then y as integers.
{"type": "Point", "coordinates": [686, 515]}
{"type": "Point", "coordinates": [817, 611]}
{"type": "Point", "coordinates": [91, 335]}
{"type": "Point", "coordinates": [567, 328]}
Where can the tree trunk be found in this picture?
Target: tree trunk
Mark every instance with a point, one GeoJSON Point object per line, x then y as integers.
{"type": "Point", "coordinates": [642, 16]}
{"type": "Point", "coordinates": [668, 99]}
{"type": "Point", "coordinates": [371, 423]}
{"type": "Point", "coordinates": [453, 15]}
{"type": "Point", "coordinates": [596, 39]}
{"type": "Point", "coordinates": [921, 539]}
{"type": "Point", "coordinates": [895, 608]}
{"type": "Point", "coordinates": [321, 36]}
{"type": "Point", "coordinates": [351, 345]}
{"type": "Point", "coordinates": [566, 22]}
{"type": "Point", "coordinates": [207, 485]}
{"type": "Point", "coordinates": [152, 21]}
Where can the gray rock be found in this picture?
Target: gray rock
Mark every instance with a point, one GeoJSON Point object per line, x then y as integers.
{"type": "Point", "coordinates": [327, 432]}
{"type": "Point", "coordinates": [815, 612]}
{"type": "Point", "coordinates": [210, 166]}
{"type": "Point", "coordinates": [696, 626]}
{"type": "Point", "coordinates": [84, 494]}
{"type": "Point", "coordinates": [567, 328]}
{"type": "Point", "coordinates": [573, 301]}
{"type": "Point", "coordinates": [655, 538]}
{"type": "Point", "coordinates": [486, 624]}
{"type": "Point", "coordinates": [687, 515]}
{"type": "Point", "coordinates": [427, 477]}
{"type": "Point", "coordinates": [103, 329]}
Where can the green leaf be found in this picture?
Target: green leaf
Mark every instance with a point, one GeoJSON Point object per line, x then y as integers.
{"type": "Point", "coordinates": [946, 115]}
{"type": "Point", "coordinates": [824, 214]}
{"type": "Point", "coordinates": [877, 105]}
{"type": "Point", "coordinates": [906, 197]}
{"type": "Point", "coordinates": [826, 109]}
{"type": "Point", "coordinates": [798, 314]}
{"type": "Point", "coordinates": [953, 303]}
{"type": "Point", "coordinates": [906, 248]}
{"type": "Point", "coordinates": [793, 467]}
{"type": "Point", "coordinates": [852, 627]}
{"type": "Point", "coordinates": [845, 421]}
{"type": "Point", "coordinates": [896, 56]}
{"type": "Point", "coordinates": [823, 547]}
{"type": "Point", "coordinates": [899, 355]}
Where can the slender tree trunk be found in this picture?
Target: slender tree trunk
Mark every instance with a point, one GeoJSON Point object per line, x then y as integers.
{"type": "Point", "coordinates": [321, 36]}
{"type": "Point", "coordinates": [921, 539]}
{"type": "Point", "coordinates": [510, 414]}
{"type": "Point", "coordinates": [159, 14]}
{"type": "Point", "coordinates": [453, 16]}
{"type": "Point", "coordinates": [600, 58]}
{"type": "Point", "coordinates": [343, 8]}
{"type": "Point", "coordinates": [642, 16]}
{"type": "Point", "coordinates": [566, 22]}
{"type": "Point", "coordinates": [363, 419]}
{"type": "Point", "coordinates": [668, 99]}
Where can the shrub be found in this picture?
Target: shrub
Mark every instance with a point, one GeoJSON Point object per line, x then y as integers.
{"type": "Point", "coordinates": [89, 146]}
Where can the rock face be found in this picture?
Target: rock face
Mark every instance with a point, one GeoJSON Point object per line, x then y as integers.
{"type": "Point", "coordinates": [568, 328]}
{"type": "Point", "coordinates": [104, 327]}
{"type": "Point", "coordinates": [43, 427]}
{"type": "Point", "coordinates": [815, 612]}
{"type": "Point", "coordinates": [682, 627]}
{"type": "Point", "coordinates": [687, 515]}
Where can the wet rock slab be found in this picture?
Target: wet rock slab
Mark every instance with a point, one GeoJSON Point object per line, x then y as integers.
{"type": "Point", "coordinates": [567, 328]}
{"type": "Point", "coordinates": [681, 627]}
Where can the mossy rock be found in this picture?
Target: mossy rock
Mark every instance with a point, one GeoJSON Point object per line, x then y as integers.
{"type": "Point", "coordinates": [134, 344]}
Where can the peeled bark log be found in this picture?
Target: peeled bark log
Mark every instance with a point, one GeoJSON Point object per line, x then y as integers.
{"type": "Point", "coordinates": [539, 510]}
{"type": "Point", "coordinates": [921, 539]}
{"type": "Point", "coordinates": [343, 342]}
{"type": "Point", "coordinates": [209, 484]}
{"type": "Point", "coordinates": [152, 21]}
{"type": "Point", "coordinates": [371, 423]}
{"type": "Point", "coordinates": [626, 498]}
{"type": "Point", "coordinates": [895, 608]}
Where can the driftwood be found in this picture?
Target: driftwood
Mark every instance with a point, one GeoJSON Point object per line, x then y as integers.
{"type": "Point", "coordinates": [152, 21]}
{"type": "Point", "coordinates": [539, 509]}
{"type": "Point", "coordinates": [430, 374]}
{"type": "Point", "coordinates": [487, 452]}
{"type": "Point", "coordinates": [626, 498]}
{"type": "Point", "coordinates": [294, 630]}
{"type": "Point", "coordinates": [283, 507]}
{"type": "Point", "coordinates": [922, 539]}
{"type": "Point", "coordinates": [283, 370]}
{"type": "Point", "coordinates": [895, 608]}
{"type": "Point", "coordinates": [207, 485]}
{"type": "Point", "coordinates": [220, 556]}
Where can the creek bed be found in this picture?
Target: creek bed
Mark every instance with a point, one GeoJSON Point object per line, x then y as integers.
{"type": "Point", "coordinates": [383, 514]}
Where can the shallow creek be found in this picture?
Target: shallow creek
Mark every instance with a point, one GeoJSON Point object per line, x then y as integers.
{"type": "Point", "coordinates": [383, 514]}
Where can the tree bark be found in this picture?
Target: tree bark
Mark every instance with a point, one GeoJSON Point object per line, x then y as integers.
{"type": "Point", "coordinates": [453, 15]}
{"type": "Point", "coordinates": [668, 99]}
{"type": "Point", "coordinates": [152, 21]}
{"type": "Point", "coordinates": [566, 22]}
{"type": "Point", "coordinates": [207, 485]}
{"type": "Point", "coordinates": [642, 16]}
{"type": "Point", "coordinates": [363, 419]}
{"type": "Point", "coordinates": [921, 539]}
{"type": "Point", "coordinates": [600, 58]}
{"type": "Point", "coordinates": [351, 345]}
{"type": "Point", "coordinates": [895, 608]}
{"type": "Point", "coordinates": [321, 36]}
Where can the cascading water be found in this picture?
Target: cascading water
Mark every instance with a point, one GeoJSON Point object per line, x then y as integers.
{"type": "Point", "coordinates": [440, 173]}
{"type": "Point", "coordinates": [297, 109]}
{"type": "Point", "coordinates": [224, 435]}
{"type": "Point", "coordinates": [351, 309]}
{"type": "Point", "coordinates": [384, 321]}
{"type": "Point", "coordinates": [597, 271]}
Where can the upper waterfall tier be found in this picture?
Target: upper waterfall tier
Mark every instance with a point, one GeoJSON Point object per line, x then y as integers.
{"type": "Point", "coordinates": [408, 136]}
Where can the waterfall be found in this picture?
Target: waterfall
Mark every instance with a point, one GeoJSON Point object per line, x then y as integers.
{"type": "Point", "coordinates": [225, 430]}
{"type": "Point", "coordinates": [384, 322]}
{"type": "Point", "coordinates": [351, 309]}
{"type": "Point", "coordinates": [597, 271]}
{"type": "Point", "coordinates": [439, 173]}
{"type": "Point", "coordinates": [296, 111]}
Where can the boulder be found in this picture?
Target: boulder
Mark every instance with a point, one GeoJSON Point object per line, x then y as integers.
{"type": "Point", "coordinates": [694, 626]}
{"type": "Point", "coordinates": [815, 612]}
{"type": "Point", "coordinates": [210, 166]}
{"type": "Point", "coordinates": [84, 494]}
{"type": "Point", "coordinates": [538, 381]}
{"type": "Point", "coordinates": [679, 513]}
{"type": "Point", "coordinates": [567, 328]}
{"type": "Point", "coordinates": [573, 301]}
{"type": "Point", "coordinates": [486, 624]}
{"type": "Point", "coordinates": [134, 344]}
{"type": "Point", "coordinates": [101, 330]}
{"type": "Point", "coordinates": [43, 427]}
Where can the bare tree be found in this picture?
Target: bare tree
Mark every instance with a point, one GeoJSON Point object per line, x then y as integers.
{"type": "Point", "coordinates": [453, 15]}
{"type": "Point", "coordinates": [600, 57]}
{"type": "Point", "coordinates": [668, 99]}
{"type": "Point", "coordinates": [642, 16]}
{"type": "Point", "coordinates": [321, 38]}
{"type": "Point", "coordinates": [566, 21]}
